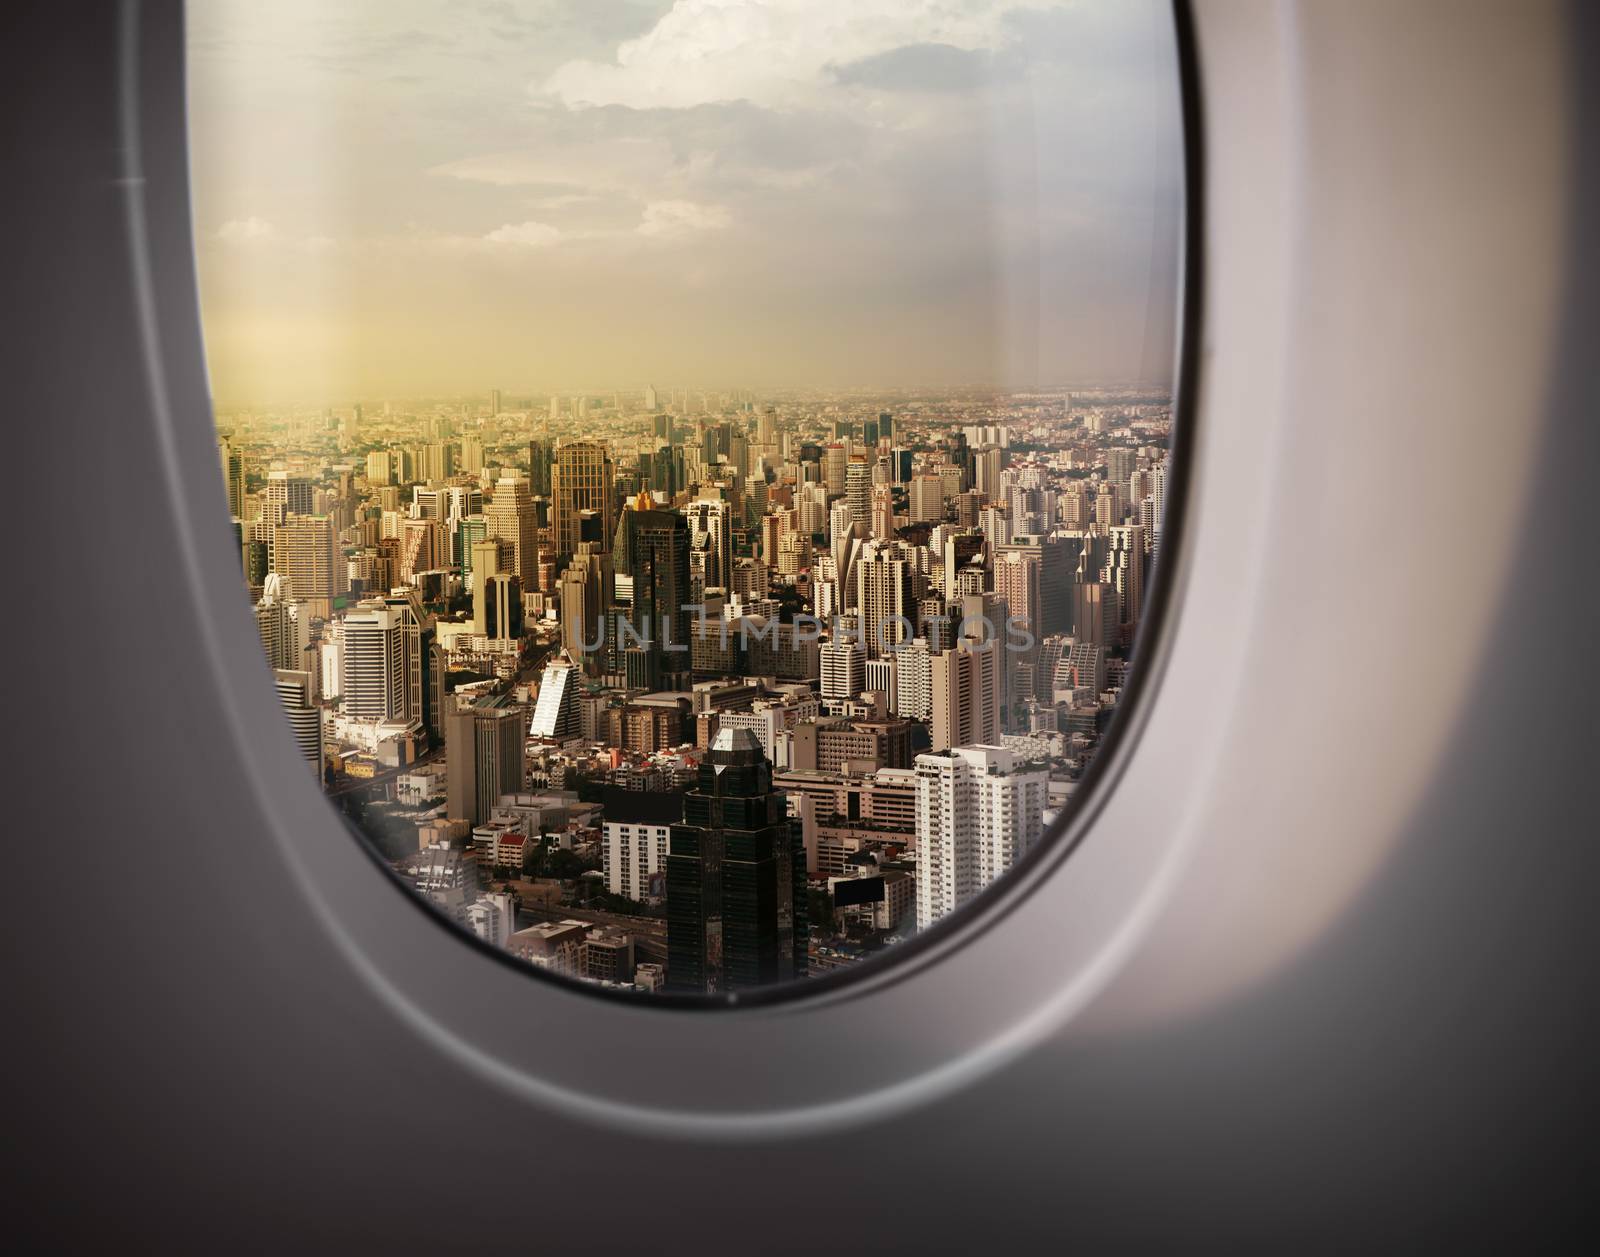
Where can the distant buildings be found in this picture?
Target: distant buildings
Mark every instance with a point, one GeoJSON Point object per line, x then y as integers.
{"type": "Point", "coordinates": [846, 726]}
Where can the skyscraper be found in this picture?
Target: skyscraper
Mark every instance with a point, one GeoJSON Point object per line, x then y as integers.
{"type": "Point", "coordinates": [736, 883]}
{"type": "Point", "coordinates": [374, 681]}
{"type": "Point", "coordinates": [858, 490]}
{"type": "Point", "coordinates": [303, 554]}
{"type": "Point", "coordinates": [1016, 581]}
{"type": "Point", "coordinates": [834, 462]}
{"type": "Point", "coordinates": [885, 595]}
{"type": "Point", "coordinates": [509, 516]}
{"type": "Point", "coordinates": [555, 714]}
{"type": "Point", "coordinates": [539, 460]}
{"type": "Point", "coordinates": [652, 548]}
{"type": "Point", "coordinates": [966, 694]}
{"type": "Point", "coordinates": [843, 669]}
{"type": "Point", "coordinates": [286, 495]}
{"type": "Point", "coordinates": [1124, 572]}
{"type": "Point", "coordinates": [927, 499]}
{"type": "Point", "coordinates": [483, 760]}
{"type": "Point", "coordinates": [233, 478]}
{"type": "Point", "coordinates": [587, 590]}
{"type": "Point", "coordinates": [710, 524]}
{"type": "Point", "coordinates": [882, 512]}
{"type": "Point", "coordinates": [296, 693]}
{"type": "Point", "coordinates": [581, 480]}
{"type": "Point", "coordinates": [977, 813]}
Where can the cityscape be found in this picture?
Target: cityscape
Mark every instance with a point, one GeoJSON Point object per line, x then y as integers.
{"type": "Point", "coordinates": [700, 691]}
{"type": "Point", "coordinates": [697, 469]}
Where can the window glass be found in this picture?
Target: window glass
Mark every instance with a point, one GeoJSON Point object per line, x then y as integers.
{"type": "Point", "coordinates": [697, 467]}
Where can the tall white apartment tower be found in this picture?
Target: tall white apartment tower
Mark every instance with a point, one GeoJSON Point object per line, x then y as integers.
{"type": "Point", "coordinates": [843, 668]}
{"type": "Point", "coordinates": [374, 663]}
{"type": "Point", "coordinates": [977, 813]}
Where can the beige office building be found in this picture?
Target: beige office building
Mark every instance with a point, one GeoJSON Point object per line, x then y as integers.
{"type": "Point", "coordinates": [966, 694]}
{"type": "Point", "coordinates": [509, 516]}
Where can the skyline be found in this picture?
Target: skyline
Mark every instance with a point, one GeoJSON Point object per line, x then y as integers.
{"type": "Point", "coordinates": [547, 198]}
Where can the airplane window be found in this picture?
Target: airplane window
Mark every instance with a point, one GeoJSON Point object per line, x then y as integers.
{"type": "Point", "coordinates": [698, 466]}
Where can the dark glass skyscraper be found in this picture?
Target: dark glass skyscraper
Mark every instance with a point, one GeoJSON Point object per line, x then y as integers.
{"type": "Point", "coordinates": [652, 547]}
{"type": "Point", "coordinates": [736, 877]}
{"type": "Point", "coordinates": [539, 456]}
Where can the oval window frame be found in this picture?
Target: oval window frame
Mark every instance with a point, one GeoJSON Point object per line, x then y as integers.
{"type": "Point", "coordinates": [902, 1002]}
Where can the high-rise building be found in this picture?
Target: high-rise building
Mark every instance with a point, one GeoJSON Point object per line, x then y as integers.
{"type": "Point", "coordinates": [977, 814]}
{"type": "Point", "coordinates": [232, 478]}
{"type": "Point", "coordinates": [995, 525]}
{"type": "Point", "coordinates": [881, 680]}
{"type": "Point", "coordinates": [858, 490]}
{"type": "Point", "coordinates": [966, 688]}
{"type": "Point", "coordinates": [283, 626]}
{"type": "Point", "coordinates": [490, 557]}
{"type": "Point", "coordinates": [1088, 664]}
{"type": "Point", "coordinates": [502, 611]}
{"type": "Point", "coordinates": [652, 548]}
{"type": "Point", "coordinates": [1016, 581]}
{"type": "Point", "coordinates": [1094, 613]}
{"type": "Point", "coordinates": [494, 402]}
{"type": "Point", "coordinates": [422, 547]}
{"type": "Point", "coordinates": [555, 714]}
{"type": "Point", "coordinates": [736, 877]}
{"type": "Point", "coordinates": [540, 455]}
{"type": "Point", "coordinates": [587, 591]}
{"type": "Point", "coordinates": [913, 682]}
{"type": "Point", "coordinates": [927, 499]}
{"type": "Point", "coordinates": [882, 524]}
{"type": "Point", "coordinates": [835, 459]}
{"type": "Point", "coordinates": [509, 516]}
{"type": "Point", "coordinates": [468, 532]}
{"type": "Point", "coordinates": [1124, 572]}
{"type": "Point", "coordinates": [843, 669]}
{"type": "Point", "coordinates": [710, 523]}
{"type": "Point", "coordinates": [296, 692]}
{"type": "Point", "coordinates": [380, 467]}
{"type": "Point", "coordinates": [651, 402]}
{"type": "Point", "coordinates": [581, 480]}
{"type": "Point", "coordinates": [286, 495]}
{"type": "Point", "coordinates": [638, 830]}
{"type": "Point", "coordinates": [886, 595]}
{"type": "Point", "coordinates": [303, 553]}
{"type": "Point", "coordinates": [483, 760]}
{"type": "Point", "coordinates": [374, 681]}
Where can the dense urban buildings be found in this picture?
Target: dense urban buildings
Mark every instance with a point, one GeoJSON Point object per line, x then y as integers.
{"type": "Point", "coordinates": [700, 690]}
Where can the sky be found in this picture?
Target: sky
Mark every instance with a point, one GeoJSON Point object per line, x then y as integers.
{"type": "Point", "coordinates": [417, 197]}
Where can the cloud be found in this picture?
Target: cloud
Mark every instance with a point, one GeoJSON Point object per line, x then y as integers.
{"type": "Point", "coordinates": [681, 218]}
{"type": "Point", "coordinates": [919, 68]}
{"type": "Point", "coordinates": [242, 230]}
{"type": "Point", "coordinates": [775, 53]}
{"type": "Point", "coordinates": [528, 235]}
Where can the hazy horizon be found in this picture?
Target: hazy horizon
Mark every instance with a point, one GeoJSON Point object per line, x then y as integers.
{"type": "Point", "coordinates": [413, 200]}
